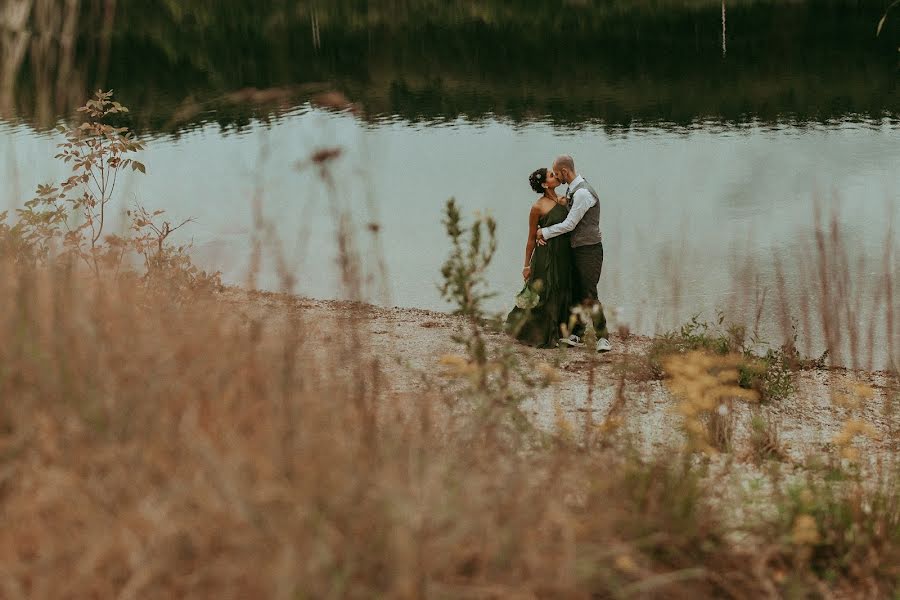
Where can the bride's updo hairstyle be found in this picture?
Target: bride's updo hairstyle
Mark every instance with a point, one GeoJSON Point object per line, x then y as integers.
{"type": "Point", "coordinates": [536, 180]}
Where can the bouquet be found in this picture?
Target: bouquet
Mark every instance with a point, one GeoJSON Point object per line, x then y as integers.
{"type": "Point", "coordinates": [528, 298]}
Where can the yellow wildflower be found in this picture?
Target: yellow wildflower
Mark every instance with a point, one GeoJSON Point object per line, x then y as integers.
{"type": "Point", "coordinates": [805, 531]}
{"type": "Point", "coordinates": [863, 391]}
{"type": "Point", "coordinates": [626, 564]}
{"type": "Point", "coordinates": [547, 371]}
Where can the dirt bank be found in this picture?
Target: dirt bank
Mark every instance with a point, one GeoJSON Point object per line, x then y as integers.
{"type": "Point", "coordinates": [412, 341]}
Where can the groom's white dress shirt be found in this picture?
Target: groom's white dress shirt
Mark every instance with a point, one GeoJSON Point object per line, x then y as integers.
{"type": "Point", "coordinates": [580, 203]}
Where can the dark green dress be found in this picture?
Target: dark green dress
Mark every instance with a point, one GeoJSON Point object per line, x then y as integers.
{"type": "Point", "coordinates": [552, 278]}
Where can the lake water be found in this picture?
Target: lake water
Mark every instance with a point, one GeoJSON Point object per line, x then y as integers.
{"type": "Point", "coordinates": [710, 151]}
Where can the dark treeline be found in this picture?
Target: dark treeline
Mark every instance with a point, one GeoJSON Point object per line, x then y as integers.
{"type": "Point", "coordinates": [181, 64]}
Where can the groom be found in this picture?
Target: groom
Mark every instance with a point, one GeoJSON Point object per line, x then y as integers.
{"type": "Point", "coordinates": [587, 248]}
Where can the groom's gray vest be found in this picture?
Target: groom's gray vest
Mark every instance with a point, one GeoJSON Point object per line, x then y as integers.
{"type": "Point", "coordinates": [587, 232]}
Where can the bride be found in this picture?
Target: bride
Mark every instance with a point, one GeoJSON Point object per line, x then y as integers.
{"type": "Point", "coordinates": [543, 305]}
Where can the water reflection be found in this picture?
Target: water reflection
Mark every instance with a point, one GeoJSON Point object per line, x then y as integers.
{"type": "Point", "coordinates": [637, 63]}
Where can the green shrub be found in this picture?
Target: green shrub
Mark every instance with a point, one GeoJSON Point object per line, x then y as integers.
{"type": "Point", "coordinates": [843, 531]}
{"type": "Point", "coordinates": [67, 222]}
{"type": "Point", "coordinates": [772, 374]}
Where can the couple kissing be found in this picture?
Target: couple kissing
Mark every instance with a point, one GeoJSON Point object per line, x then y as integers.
{"type": "Point", "coordinates": [563, 261]}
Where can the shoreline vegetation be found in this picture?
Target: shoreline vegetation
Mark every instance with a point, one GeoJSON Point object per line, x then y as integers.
{"type": "Point", "coordinates": [165, 436]}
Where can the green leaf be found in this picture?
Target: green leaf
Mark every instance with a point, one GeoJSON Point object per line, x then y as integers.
{"type": "Point", "coordinates": [136, 166]}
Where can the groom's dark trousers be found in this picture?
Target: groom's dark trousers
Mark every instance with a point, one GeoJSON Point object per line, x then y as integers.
{"type": "Point", "coordinates": [588, 265]}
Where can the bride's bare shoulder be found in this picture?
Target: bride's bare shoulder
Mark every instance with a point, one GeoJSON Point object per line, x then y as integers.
{"type": "Point", "coordinates": [542, 206]}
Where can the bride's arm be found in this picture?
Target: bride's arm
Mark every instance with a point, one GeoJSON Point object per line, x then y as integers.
{"type": "Point", "coordinates": [533, 218]}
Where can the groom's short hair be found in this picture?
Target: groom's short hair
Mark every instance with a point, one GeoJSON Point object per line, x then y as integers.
{"type": "Point", "coordinates": [564, 160]}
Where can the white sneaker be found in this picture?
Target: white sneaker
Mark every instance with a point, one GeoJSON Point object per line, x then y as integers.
{"type": "Point", "coordinates": [603, 345]}
{"type": "Point", "coordinates": [572, 340]}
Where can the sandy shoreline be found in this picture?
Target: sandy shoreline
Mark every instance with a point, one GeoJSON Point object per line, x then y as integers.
{"type": "Point", "coordinates": [411, 342]}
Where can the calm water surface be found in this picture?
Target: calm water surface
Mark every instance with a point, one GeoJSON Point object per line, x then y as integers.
{"type": "Point", "coordinates": [707, 158]}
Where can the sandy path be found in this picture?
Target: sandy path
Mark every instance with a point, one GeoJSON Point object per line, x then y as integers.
{"type": "Point", "coordinates": [411, 341]}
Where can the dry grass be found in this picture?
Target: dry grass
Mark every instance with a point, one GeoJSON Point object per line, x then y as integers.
{"type": "Point", "coordinates": [153, 449]}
